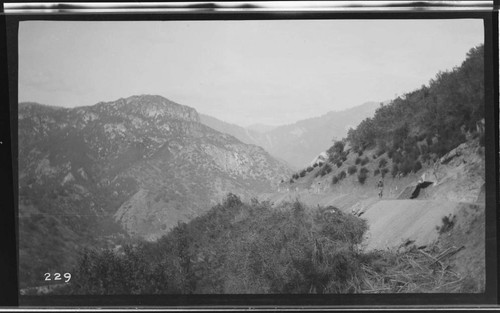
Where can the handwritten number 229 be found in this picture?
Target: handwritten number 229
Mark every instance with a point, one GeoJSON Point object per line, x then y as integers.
{"type": "Point", "coordinates": [57, 276]}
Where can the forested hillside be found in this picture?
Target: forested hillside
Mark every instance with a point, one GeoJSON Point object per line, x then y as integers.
{"type": "Point", "coordinates": [413, 130]}
{"type": "Point", "coordinates": [429, 121]}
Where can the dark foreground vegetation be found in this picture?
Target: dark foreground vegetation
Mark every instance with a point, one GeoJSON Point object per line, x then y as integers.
{"type": "Point", "coordinates": [253, 248]}
{"type": "Point", "coordinates": [235, 248]}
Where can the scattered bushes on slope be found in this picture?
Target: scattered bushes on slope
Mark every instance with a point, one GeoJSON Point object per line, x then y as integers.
{"type": "Point", "coordinates": [365, 161]}
{"type": "Point", "coordinates": [437, 115]}
{"type": "Point", "coordinates": [325, 169]}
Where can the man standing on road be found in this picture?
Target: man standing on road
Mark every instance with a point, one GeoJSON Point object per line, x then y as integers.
{"type": "Point", "coordinates": [380, 186]}
{"type": "Point", "coordinates": [436, 168]}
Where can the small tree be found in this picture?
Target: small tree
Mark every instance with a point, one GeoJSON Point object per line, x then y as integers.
{"type": "Point", "coordinates": [352, 169]}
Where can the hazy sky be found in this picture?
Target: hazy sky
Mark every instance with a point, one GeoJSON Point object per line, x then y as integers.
{"type": "Point", "coordinates": [243, 72]}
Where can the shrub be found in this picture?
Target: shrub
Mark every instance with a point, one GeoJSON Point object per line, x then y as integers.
{"type": "Point", "coordinates": [417, 167]}
{"type": "Point", "coordinates": [448, 223]}
{"type": "Point", "coordinates": [310, 168]}
{"type": "Point", "coordinates": [337, 148]}
{"type": "Point", "coordinates": [358, 160]}
{"type": "Point", "coordinates": [232, 201]}
{"type": "Point", "coordinates": [424, 149]}
{"type": "Point", "coordinates": [295, 176]}
{"type": "Point", "coordinates": [382, 163]}
{"type": "Point", "coordinates": [335, 180]}
{"type": "Point", "coordinates": [425, 157]}
{"type": "Point", "coordinates": [439, 149]}
{"type": "Point", "coordinates": [362, 177]}
{"type": "Point", "coordinates": [341, 226]}
{"type": "Point", "coordinates": [421, 137]}
{"type": "Point", "coordinates": [395, 170]}
{"type": "Point", "coordinates": [325, 169]}
{"type": "Point", "coordinates": [384, 171]}
{"type": "Point", "coordinates": [397, 157]}
{"type": "Point", "coordinates": [365, 161]}
{"type": "Point", "coordinates": [376, 172]}
{"type": "Point", "coordinates": [315, 164]}
{"type": "Point", "coordinates": [352, 169]}
{"type": "Point", "coordinates": [428, 140]}
{"type": "Point", "coordinates": [291, 181]}
{"type": "Point", "coordinates": [342, 175]}
{"type": "Point", "coordinates": [381, 148]}
{"type": "Point", "coordinates": [407, 166]}
{"type": "Point", "coordinates": [339, 164]}
{"type": "Point", "coordinates": [363, 170]}
{"type": "Point", "coordinates": [303, 173]}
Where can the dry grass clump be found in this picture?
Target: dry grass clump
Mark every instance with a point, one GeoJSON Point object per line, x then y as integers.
{"type": "Point", "coordinates": [412, 271]}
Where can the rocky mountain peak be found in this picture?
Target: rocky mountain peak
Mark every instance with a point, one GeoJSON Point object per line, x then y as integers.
{"type": "Point", "coordinates": [154, 107]}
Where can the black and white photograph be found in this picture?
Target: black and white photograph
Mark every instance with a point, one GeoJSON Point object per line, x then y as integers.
{"type": "Point", "coordinates": [306, 156]}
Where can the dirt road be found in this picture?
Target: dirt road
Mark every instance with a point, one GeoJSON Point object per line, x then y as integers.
{"type": "Point", "coordinates": [394, 222]}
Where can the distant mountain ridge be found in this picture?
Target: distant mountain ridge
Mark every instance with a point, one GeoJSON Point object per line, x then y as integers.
{"type": "Point", "coordinates": [260, 128]}
{"type": "Point", "coordinates": [299, 143]}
